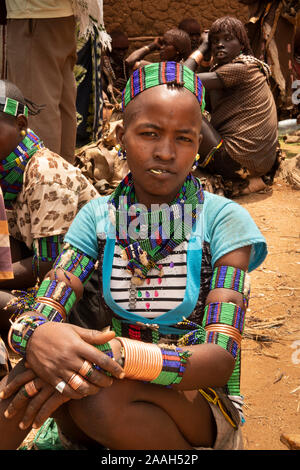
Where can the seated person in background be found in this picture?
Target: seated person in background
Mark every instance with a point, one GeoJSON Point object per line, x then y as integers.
{"type": "Point", "coordinates": [173, 262]}
{"type": "Point", "coordinates": [113, 65]}
{"type": "Point", "coordinates": [42, 194]}
{"type": "Point", "coordinates": [240, 141]}
{"type": "Point", "coordinates": [193, 28]}
{"type": "Point", "coordinates": [6, 272]}
{"type": "Point", "coordinates": [174, 45]}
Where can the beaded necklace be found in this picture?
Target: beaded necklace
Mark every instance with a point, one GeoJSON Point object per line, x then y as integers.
{"type": "Point", "coordinates": [157, 232]}
{"type": "Point", "coordinates": [13, 166]}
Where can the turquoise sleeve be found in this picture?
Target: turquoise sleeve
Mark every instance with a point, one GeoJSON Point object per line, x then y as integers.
{"type": "Point", "coordinates": [90, 222]}
{"type": "Point", "coordinates": [229, 226]}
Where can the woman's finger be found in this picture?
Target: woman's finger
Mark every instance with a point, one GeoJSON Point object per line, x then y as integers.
{"type": "Point", "coordinates": [35, 404]}
{"type": "Point", "coordinates": [22, 397]}
{"type": "Point", "coordinates": [90, 374]}
{"type": "Point", "coordinates": [78, 384]}
{"type": "Point", "coordinates": [16, 383]}
{"type": "Point", "coordinates": [93, 355]}
{"type": "Point", "coordinates": [48, 408]}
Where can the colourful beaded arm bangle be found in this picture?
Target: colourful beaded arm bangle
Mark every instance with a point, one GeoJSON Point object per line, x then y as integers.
{"type": "Point", "coordinates": [56, 294]}
{"type": "Point", "coordinates": [74, 261]}
{"type": "Point", "coordinates": [53, 311]}
{"type": "Point", "coordinates": [224, 324]}
{"type": "Point", "coordinates": [21, 331]}
{"type": "Point", "coordinates": [173, 367]}
{"type": "Point", "coordinates": [45, 249]}
{"type": "Point", "coordinates": [232, 278]}
{"type": "Point", "coordinates": [161, 365]}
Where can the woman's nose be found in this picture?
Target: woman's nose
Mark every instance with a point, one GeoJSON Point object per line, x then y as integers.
{"type": "Point", "coordinates": [165, 150]}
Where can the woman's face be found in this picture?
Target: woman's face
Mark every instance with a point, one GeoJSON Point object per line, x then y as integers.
{"type": "Point", "coordinates": [10, 135]}
{"type": "Point", "coordinates": [225, 47]}
{"type": "Point", "coordinates": [161, 136]}
{"type": "Point", "coordinates": [168, 51]}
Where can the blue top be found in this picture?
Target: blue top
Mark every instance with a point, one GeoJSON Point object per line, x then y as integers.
{"type": "Point", "coordinates": [224, 224]}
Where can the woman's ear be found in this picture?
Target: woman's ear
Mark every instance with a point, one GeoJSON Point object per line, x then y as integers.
{"type": "Point", "coordinates": [120, 131]}
{"type": "Point", "coordinates": [200, 139]}
{"type": "Point", "coordinates": [22, 122]}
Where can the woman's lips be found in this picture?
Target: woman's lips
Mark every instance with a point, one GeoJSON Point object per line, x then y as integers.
{"type": "Point", "coordinates": [159, 171]}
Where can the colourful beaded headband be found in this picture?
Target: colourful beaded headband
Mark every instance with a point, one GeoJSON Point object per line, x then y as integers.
{"type": "Point", "coordinates": [163, 73]}
{"type": "Point", "coordinates": [12, 107]}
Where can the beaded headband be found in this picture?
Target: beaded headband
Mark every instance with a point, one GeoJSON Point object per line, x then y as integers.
{"type": "Point", "coordinates": [163, 73]}
{"type": "Point", "coordinates": [12, 107]}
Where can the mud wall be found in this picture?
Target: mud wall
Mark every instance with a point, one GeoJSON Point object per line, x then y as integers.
{"type": "Point", "coordinates": [139, 18]}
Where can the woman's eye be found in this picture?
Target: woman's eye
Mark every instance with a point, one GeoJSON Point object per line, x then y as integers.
{"type": "Point", "coordinates": [149, 134]}
{"type": "Point", "coordinates": [184, 138]}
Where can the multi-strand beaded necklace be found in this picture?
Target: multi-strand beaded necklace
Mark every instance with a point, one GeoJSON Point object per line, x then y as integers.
{"type": "Point", "coordinates": [157, 233]}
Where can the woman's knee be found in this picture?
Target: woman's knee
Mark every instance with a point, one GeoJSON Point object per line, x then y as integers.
{"type": "Point", "coordinates": [98, 415]}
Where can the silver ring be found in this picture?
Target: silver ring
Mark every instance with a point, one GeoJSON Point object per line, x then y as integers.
{"type": "Point", "coordinates": [61, 386]}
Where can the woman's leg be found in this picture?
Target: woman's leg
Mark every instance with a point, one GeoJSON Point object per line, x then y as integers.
{"type": "Point", "coordinates": [134, 415]}
{"type": "Point", "coordinates": [213, 156]}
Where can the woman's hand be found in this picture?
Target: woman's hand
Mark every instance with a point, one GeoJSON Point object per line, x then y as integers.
{"type": "Point", "coordinates": [57, 351]}
{"type": "Point", "coordinates": [205, 45]}
{"type": "Point", "coordinates": [157, 43]}
{"type": "Point", "coordinates": [37, 408]}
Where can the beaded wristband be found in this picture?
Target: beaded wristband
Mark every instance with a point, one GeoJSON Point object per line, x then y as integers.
{"type": "Point", "coordinates": [48, 311]}
{"type": "Point", "coordinates": [174, 364]}
{"type": "Point", "coordinates": [106, 349]}
{"type": "Point", "coordinates": [58, 293]}
{"type": "Point", "coordinates": [18, 338]}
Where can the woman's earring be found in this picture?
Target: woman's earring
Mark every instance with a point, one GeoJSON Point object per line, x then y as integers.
{"type": "Point", "coordinates": [23, 133]}
{"type": "Point", "coordinates": [121, 152]}
{"type": "Point", "coordinates": [196, 162]}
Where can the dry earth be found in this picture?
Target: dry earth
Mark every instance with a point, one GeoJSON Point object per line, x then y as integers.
{"type": "Point", "coordinates": [271, 349]}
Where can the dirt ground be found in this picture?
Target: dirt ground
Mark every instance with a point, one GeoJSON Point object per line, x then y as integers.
{"type": "Point", "coordinates": [271, 349]}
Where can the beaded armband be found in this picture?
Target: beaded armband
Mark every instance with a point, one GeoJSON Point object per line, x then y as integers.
{"type": "Point", "coordinates": [74, 261]}
{"type": "Point", "coordinates": [46, 249]}
{"type": "Point", "coordinates": [232, 278]}
{"type": "Point", "coordinates": [224, 324]}
{"type": "Point", "coordinates": [20, 332]}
